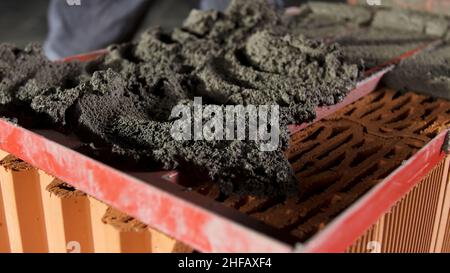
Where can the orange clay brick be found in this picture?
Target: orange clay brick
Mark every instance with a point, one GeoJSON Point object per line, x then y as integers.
{"type": "Point", "coordinates": [22, 206]}
{"type": "Point", "coordinates": [443, 233]}
{"type": "Point", "coordinates": [66, 219]}
{"type": "Point", "coordinates": [67, 216]}
{"type": "Point", "coordinates": [124, 233]}
{"type": "Point", "coordinates": [116, 232]}
{"type": "Point", "coordinates": [110, 237]}
{"type": "Point", "coordinates": [162, 243]}
{"type": "Point", "coordinates": [4, 240]}
{"type": "Point", "coordinates": [417, 223]}
{"type": "Point", "coordinates": [3, 154]}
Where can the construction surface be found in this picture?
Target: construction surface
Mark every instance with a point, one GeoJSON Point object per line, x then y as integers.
{"type": "Point", "coordinates": [336, 162]}
{"type": "Point", "coordinates": [359, 146]}
{"type": "Point", "coordinates": [341, 158]}
{"type": "Point", "coordinates": [120, 105]}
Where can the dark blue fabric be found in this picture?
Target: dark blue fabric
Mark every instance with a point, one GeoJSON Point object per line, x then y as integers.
{"type": "Point", "coordinates": [95, 24]}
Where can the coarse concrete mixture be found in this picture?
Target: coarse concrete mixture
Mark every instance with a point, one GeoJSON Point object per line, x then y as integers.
{"type": "Point", "coordinates": [371, 36]}
{"type": "Point", "coordinates": [120, 104]}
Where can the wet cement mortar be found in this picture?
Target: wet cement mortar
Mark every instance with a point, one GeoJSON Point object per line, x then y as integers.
{"type": "Point", "coordinates": [427, 73]}
{"type": "Point", "coordinates": [373, 36]}
{"type": "Point", "coordinates": [368, 36]}
{"type": "Point", "coordinates": [119, 105]}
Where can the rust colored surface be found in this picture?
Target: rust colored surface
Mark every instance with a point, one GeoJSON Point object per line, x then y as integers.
{"type": "Point", "coordinates": [342, 157]}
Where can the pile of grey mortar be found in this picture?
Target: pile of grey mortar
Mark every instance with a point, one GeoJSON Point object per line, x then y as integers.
{"type": "Point", "coordinates": [370, 36]}
{"type": "Point", "coordinates": [119, 105]}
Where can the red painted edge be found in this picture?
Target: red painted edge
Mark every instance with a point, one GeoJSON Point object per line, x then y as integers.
{"type": "Point", "coordinates": [188, 217]}
{"type": "Point", "coordinates": [362, 89]}
{"type": "Point", "coordinates": [85, 57]}
{"type": "Point", "coordinates": [350, 225]}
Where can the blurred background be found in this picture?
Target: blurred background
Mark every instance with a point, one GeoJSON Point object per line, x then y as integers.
{"type": "Point", "coordinates": [23, 21]}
